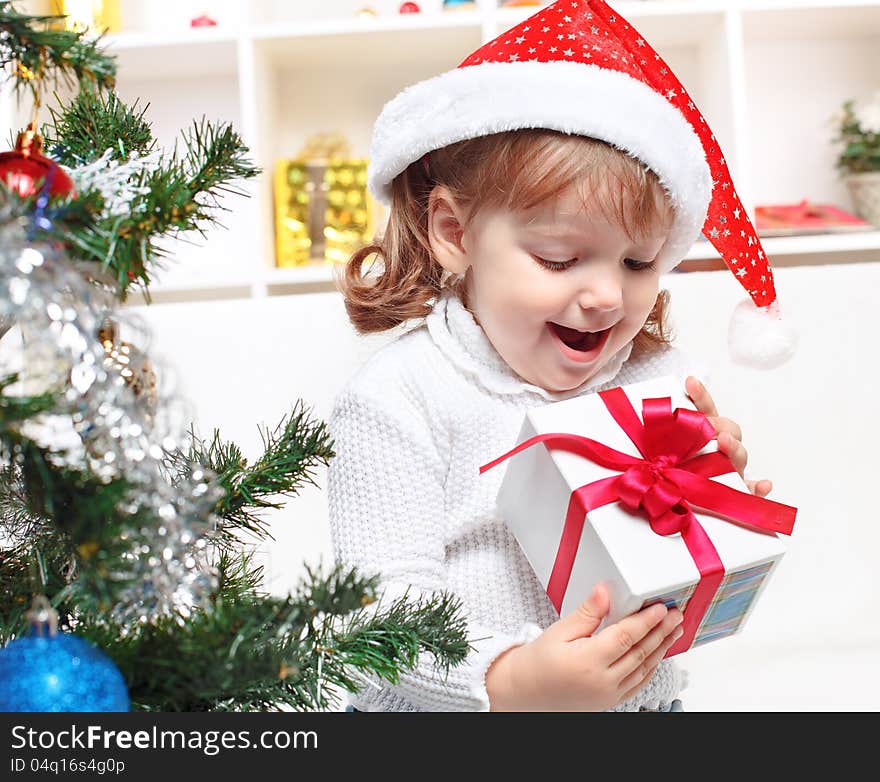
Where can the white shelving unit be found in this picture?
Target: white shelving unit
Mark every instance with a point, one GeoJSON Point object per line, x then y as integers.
{"type": "Point", "coordinates": [767, 75]}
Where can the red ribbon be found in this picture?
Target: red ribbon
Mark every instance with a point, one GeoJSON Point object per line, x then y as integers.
{"type": "Point", "coordinates": [664, 485]}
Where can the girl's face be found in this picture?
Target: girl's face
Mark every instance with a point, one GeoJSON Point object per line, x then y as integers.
{"type": "Point", "coordinates": [558, 290]}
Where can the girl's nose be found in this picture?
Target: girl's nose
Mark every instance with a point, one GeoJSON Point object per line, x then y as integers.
{"type": "Point", "coordinates": [602, 290]}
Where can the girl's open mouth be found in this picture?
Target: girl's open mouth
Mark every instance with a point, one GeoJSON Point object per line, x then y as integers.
{"type": "Point", "coordinates": [579, 346]}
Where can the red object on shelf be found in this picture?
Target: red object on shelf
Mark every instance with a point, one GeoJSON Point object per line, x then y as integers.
{"type": "Point", "coordinates": [410, 8]}
{"type": "Point", "coordinates": [202, 21]}
{"type": "Point", "coordinates": [806, 218]}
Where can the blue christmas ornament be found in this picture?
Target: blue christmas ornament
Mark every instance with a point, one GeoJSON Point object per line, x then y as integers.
{"type": "Point", "coordinates": [51, 671]}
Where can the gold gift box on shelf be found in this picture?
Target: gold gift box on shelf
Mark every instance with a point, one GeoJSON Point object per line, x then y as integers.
{"type": "Point", "coordinates": [95, 15]}
{"type": "Point", "coordinates": [323, 210]}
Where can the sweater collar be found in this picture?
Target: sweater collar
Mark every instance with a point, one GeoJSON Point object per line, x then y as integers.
{"type": "Point", "coordinates": [463, 341]}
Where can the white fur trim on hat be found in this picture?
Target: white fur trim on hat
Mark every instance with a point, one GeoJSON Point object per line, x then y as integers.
{"type": "Point", "coordinates": [570, 97]}
{"type": "Point", "coordinates": [759, 337]}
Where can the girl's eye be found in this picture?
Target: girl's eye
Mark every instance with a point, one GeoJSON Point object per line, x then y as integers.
{"type": "Point", "coordinates": [556, 266]}
{"type": "Point", "coordinates": [638, 266]}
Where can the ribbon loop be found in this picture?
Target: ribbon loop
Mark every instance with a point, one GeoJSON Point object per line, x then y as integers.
{"type": "Point", "coordinates": [662, 496]}
{"type": "Point", "coordinates": [672, 437]}
{"type": "Point", "coordinates": [676, 519]}
{"type": "Point", "coordinates": [632, 486]}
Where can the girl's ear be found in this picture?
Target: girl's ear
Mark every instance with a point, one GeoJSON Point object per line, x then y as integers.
{"type": "Point", "coordinates": [445, 231]}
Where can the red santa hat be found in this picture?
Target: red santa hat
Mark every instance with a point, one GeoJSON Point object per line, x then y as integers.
{"type": "Point", "coordinates": [579, 67]}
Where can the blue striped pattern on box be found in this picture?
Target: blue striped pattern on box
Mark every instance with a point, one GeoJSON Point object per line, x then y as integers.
{"type": "Point", "coordinates": [729, 606]}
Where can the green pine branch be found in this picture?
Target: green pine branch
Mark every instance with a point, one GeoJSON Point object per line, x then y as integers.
{"type": "Point", "coordinates": [237, 575]}
{"type": "Point", "coordinates": [93, 122]}
{"type": "Point", "coordinates": [19, 524]}
{"type": "Point", "coordinates": [14, 409]}
{"type": "Point", "coordinates": [182, 196]}
{"type": "Point", "coordinates": [395, 637]}
{"type": "Point", "coordinates": [181, 193]}
{"type": "Point", "coordinates": [38, 50]}
{"type": "Point", "coordinates": [77, 539]}
{"type": "Point", "coordinates": [291, 451]}
{"type": "Point", "coordinates": [338, 594]}
{"type": "Point", "coordinates": [77, 502]}
{"type": "Point", "coordinates": [261, 653]}
{"type": "Point", "coordinates": [23, 568]}
{"type": "Point", "coordinates": [214, 156]}
{"type": "Point", "coordinates": [41, 563]}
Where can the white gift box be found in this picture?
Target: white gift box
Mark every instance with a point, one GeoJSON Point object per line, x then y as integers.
{"type": "Point", "coordinates": [617, 546]}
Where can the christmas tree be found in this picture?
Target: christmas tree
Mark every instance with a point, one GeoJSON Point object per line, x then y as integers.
{"type": "Point", "coordinates": [122, 530]}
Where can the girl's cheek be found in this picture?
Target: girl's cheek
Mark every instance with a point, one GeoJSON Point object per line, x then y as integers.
{"type": "Point", "coordinates": [641, 297]}
{"type": "Point", "coordinates": [525, 281]}
{"type": "Point", "coordinates": [541, 293]}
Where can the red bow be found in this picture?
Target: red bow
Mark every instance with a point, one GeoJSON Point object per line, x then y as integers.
{"type": "Point", "coordinates": [664, 484]}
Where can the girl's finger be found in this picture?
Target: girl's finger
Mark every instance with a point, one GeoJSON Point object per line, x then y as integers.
{"type": "Point", "coordinates": [700, 396]}
{"type": "Point", "coordinates": [636, 680]}
{"type": "Point", "coordinates": [726, 425]}
{"type": "Point", "coordinates": [760, 488]}
{"type": "Point", "coordinates": [617, 640]}
{"type": "Point", "coordinates": [639, 656]}
{"type": "Point", "coordinates": [734, 450]}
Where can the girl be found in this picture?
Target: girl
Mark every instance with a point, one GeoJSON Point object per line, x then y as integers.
{"type": "Point", "coordinates": [525, 243]}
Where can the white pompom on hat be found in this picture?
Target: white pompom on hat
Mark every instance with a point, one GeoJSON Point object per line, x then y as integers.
{"type": "Point", "coordinates": [579, 67]}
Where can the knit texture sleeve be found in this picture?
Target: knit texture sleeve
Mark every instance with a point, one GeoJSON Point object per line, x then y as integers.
{"type": "Point", "coordinates": [386, 511]}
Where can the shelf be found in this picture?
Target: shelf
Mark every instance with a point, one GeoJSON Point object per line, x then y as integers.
{"type": "Point", "coordinates": [793, 89]}
{"type": "Point", "coordinates": [767, 74]}
{"type": "Point", "coordinates": [809, 19]}
{"type": "Point", "coordinates": [184, 54]}
{"type": "Point", "coordinates": [330, 11]}
{"type": "Point", "coordinates": [125, 41]}
{"type": "Point", "coordinates": [368, 25]}
{"type": "Point", "coordinates": [200, 271]}
{"type": "Point", "coordinates": [368, 44]}
{"type": "Point", "coordinates": [299, 275]}
{"type": "Point", "coordinates": [192, 290]}
{"type": "Point", "coordinates": [801, 245]}
{"type": "Point", "coordinates": [822, 243]}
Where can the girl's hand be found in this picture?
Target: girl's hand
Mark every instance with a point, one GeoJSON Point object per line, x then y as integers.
{"type": "Point", "coordinates": [567, 668]}
{"type": "Point", "coordinates": [728, 434]}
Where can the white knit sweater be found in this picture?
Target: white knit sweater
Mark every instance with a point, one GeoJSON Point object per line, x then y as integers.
{"type": "Point", "coordinates": [406, 500]}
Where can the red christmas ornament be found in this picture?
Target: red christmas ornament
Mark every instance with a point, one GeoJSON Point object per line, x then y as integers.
{"type": "Point", "coordinates": [410, 8]}
{"type": "Point", "coordinates": [25, 170]}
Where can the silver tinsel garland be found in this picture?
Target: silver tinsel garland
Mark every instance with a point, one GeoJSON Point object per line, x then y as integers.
{"type": "Point", "coordinates": [101, 426]}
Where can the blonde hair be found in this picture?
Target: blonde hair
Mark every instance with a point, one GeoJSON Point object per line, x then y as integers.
{"type": "Point", "coordinates": [519, 170]}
